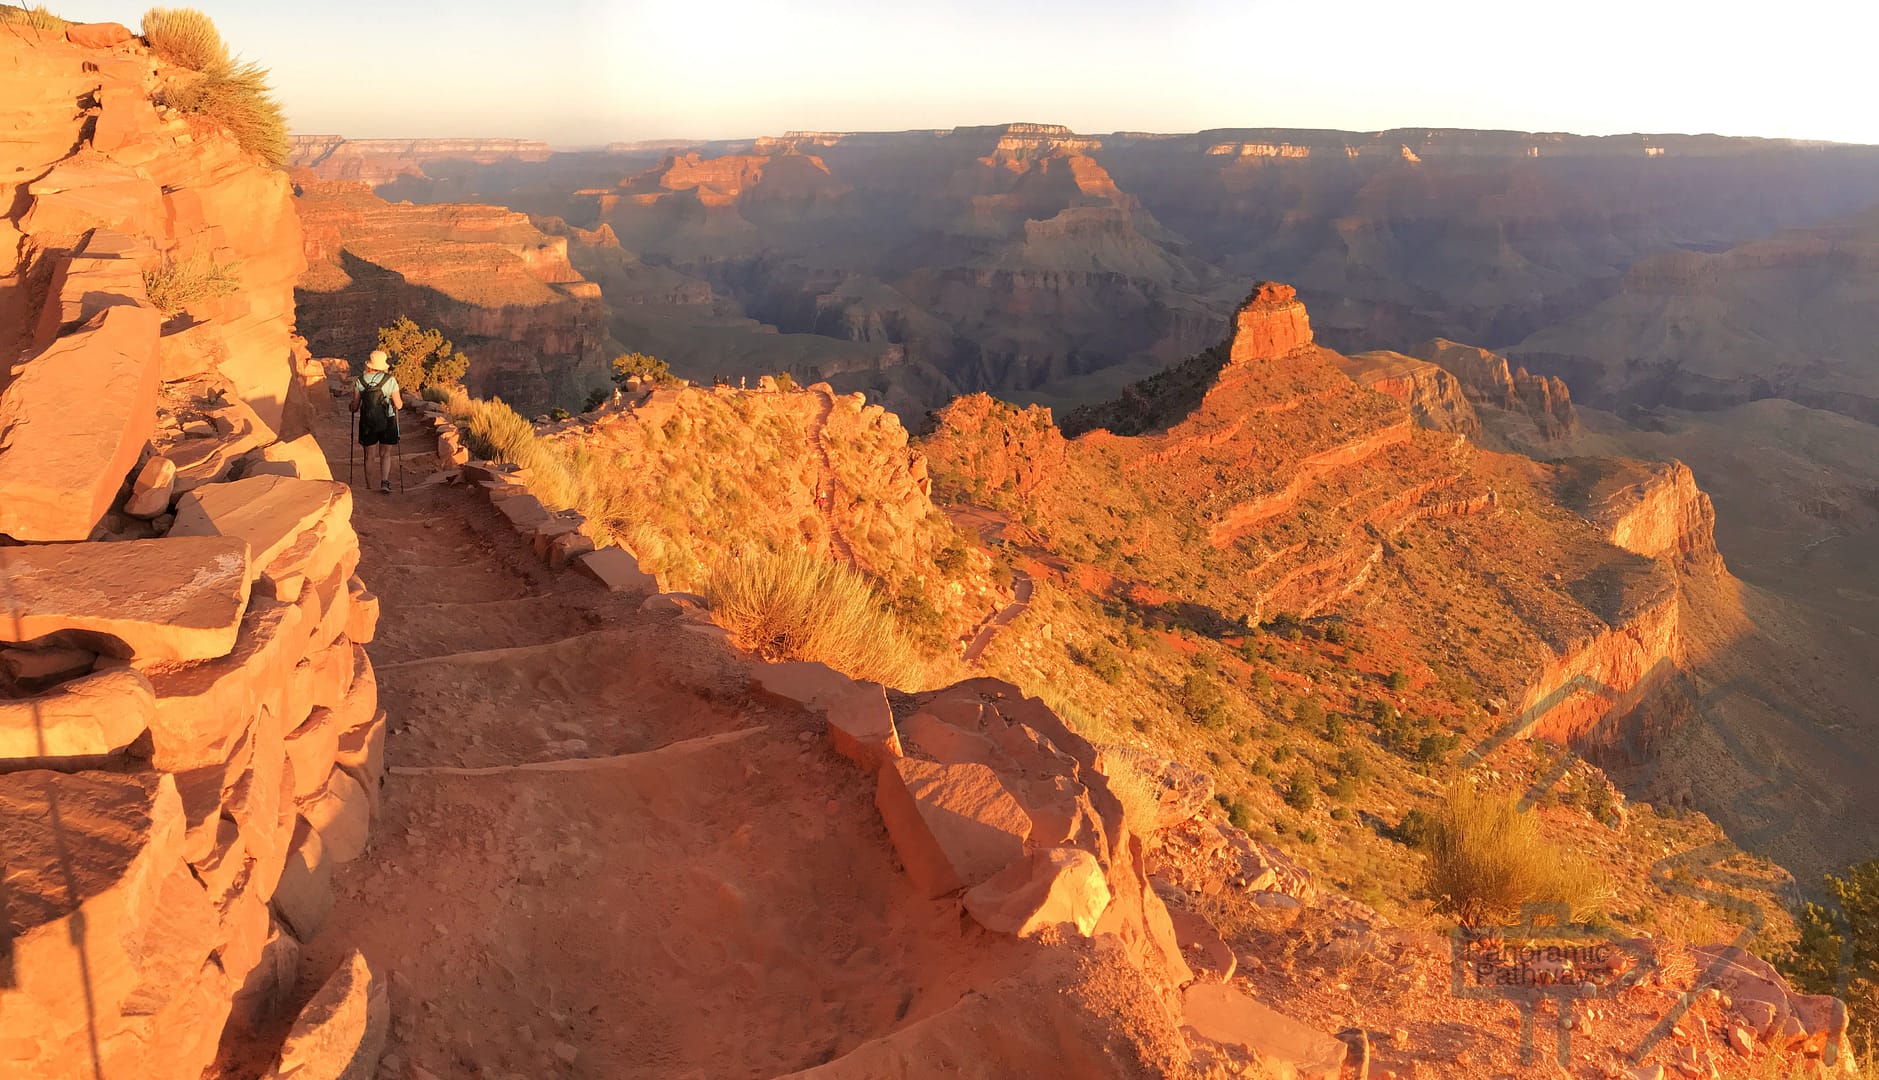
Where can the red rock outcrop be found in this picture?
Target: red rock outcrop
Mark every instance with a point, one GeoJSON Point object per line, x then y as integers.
{"type": "Point", "coordinates": [1488, 380]}
{"type": "Point", "coordinates": [1431, 394]}
{"type": "Point", "coordinates": [381, 161]}
{"type": "Point", "coordinates": [1652, 508]}
{"type": "Point", "coordinates": [504, 292]}
{"type": "Point", "coordinates": [1269, 324]}
{"type": "Point", "coordinates": [157, 670]}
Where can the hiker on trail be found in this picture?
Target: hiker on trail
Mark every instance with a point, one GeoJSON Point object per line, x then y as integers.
{"type": "Point", "coordinates": [376, 399]}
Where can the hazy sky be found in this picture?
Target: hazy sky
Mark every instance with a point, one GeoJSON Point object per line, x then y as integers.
{"type": "Point", "coordinates": [579, 72]}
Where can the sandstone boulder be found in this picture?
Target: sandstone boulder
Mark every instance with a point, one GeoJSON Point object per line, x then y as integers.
{"type": "Point", "coordinates": [617, 570]}
{"type": "Point", "coordinates": [72, 423]}
{"type": "Point", "coordinates": [362, 755]}
{"type": "Point", "coordinates": [201, 705]}
{"type": "Point", "coordinates": [304, 896]}
{"type": "Point", "coordinates": [150, 492]}
{"type": "Point", "coordinates": [342, 814]}
{"type": "Point", "coordinates": [340, 1034]}
{"type": "Point", "coordinates": [300, 458]}
{"type": "Point", "coordinates": [952, 825]}
{"type": "Point", "coordinates": [87, 858]}
{"type": "Point", "coordinates": [78, 724]}
{"type": "Point", "coordinates": [168, 599]}
{"type": "Point", "coordinates": [297, 530]}
{"type": "Point", "coordinates": [807, 683]}
{"type": "Point", "coordinates": [269, 981]}
{"type": "Point", "coordinates": [861, 726]}
{"type": "Point", "coordinates": [100, 35]}
{"type": "Point", "coordinates": [313, 747]}
{"type": "Point", "coordinates": [1051, 887]}
{"type": "Point", "coordinates": [523, 511]}
{"type": "Point", "coordinates": [33, 670]}
{"type": "Point", "coordinates": [1224, 1015]}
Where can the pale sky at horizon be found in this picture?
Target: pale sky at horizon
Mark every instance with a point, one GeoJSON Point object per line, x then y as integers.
{"type": "Point", "coordinates": [587, 72]}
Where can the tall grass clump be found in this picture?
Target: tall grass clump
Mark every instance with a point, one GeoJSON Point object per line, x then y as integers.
{"type": "Point", "coordinates": [36, 17]}
{"type": "Point", "coordinates": [236, 97]}
{"type": "Point", "coordinates": [1486, 859]}
{"type": "Point", "coordinates": [793, 606]}
{"type": "Point", "coordinates": [561, 479]}
{"type": "Point", "coordinates": [176, 286]}
{"type": "Point", "coordinates": [186, 37]}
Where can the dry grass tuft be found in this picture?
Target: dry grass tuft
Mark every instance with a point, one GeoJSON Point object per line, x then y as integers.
{"type": "Point", "coordinates": [175, 287]}
{"type": "Point", "coordinates": [236, 97]}
{"type": "Point", "coordinates": [1487, 859]}
{"type": "Point", "coordinates": [185, 36]}
{"type": "Point", "coordinates": [793, 606]}
{"type": "Point", "coordinates": [36, 17]}
{"type": "Point", "coordinates": [495, 432]}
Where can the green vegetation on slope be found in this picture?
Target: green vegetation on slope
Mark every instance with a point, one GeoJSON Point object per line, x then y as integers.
{"type": "Point", "coordinates": [226, 91]}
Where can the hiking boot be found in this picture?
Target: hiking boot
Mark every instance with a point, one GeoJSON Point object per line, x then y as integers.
{"type": "Point", "coordinates": [385, 486]}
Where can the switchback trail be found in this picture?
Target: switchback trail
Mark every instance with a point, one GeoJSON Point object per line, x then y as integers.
{"type": "Point", "coordinates": [596, 854]}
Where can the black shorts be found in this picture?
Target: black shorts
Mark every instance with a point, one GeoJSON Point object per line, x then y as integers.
{"type": "Point", "coordinates": [376, 432]}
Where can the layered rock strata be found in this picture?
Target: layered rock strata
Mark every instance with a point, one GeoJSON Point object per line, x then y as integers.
{"type": "Point", "coordinates": [183, 671]}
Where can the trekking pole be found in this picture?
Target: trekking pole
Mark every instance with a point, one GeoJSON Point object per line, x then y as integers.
{"type": "Point", "coordinates": [352, 439]}
{"type": "Point", "coordinates": [399, 421]}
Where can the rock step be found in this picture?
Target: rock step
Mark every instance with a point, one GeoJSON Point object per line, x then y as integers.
{"type": "Point", "coordinates": [666, 914]}
{"type": "Point", "coordinates": [620, 690]}
{"type": "Point", "coordinates": [427, 631]}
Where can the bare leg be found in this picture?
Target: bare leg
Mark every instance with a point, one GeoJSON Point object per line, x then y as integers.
{"type": "Point", "coordinates": [384, 462]}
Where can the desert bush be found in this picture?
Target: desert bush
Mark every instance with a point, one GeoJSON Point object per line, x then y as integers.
{"type": "Point", "coordinates": [1399, 680]}
{"type": "Point", "coordinates": [793, 606]}
{"type": "Point", "coordinates": [595, 399]}
{"type": "Point", "coordinates": [1205, 703]}
{"type": "Point", "coordinates": [635, 365]}
{"type": "Point", "coordinates": [236, 97]}
{"type": "Point", "coordinates": [560, 479]}
{"type": "Point", "coordinates": [1485, 859]}
{"type": "Point", "coordinates": [1302, 791]}
{"type": "Point", "coordinates": [784, 382]}
{"type": "Point", "coordinates": [438, 394]}
{"type": "Point", "coordinates": [1839, 954]}
{"type": "Point", "coordinates": [421, 358]}
{"type": "Point", "coordinates": [176, 286]}
{"type": "Point", "coordinates": [36, 17]}
{"type": "Point", "coordinates": [185, 36]}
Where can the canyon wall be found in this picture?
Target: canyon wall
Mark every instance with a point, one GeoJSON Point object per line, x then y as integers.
{"type": "Point", "coordinates": [503, 291]}
{"type": "Point", "coordinates": [189, 738]}
{"type": "Point", "coordinates": [382, 161]}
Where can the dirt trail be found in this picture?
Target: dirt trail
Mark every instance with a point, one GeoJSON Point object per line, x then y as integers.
{"type": "Point", "coordinates": [595, 855]}
{"type": "Point", "coordinates": [1021, 599]}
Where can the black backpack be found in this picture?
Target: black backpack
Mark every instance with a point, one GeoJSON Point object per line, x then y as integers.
{"type": "Point", "coordinates": [376, 403]}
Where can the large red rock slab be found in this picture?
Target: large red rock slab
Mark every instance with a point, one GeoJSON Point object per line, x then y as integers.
{"type": "Point", "coordinates": [617, 570]}
{"type": "Point", "coordinates": [265, 988]}
{"type": "Point", "coordinates": [73, 422]}
{"type": "Point", "coordinates": [301, 458]}
{"type": "Point", "coordinates": [1226, 1016]}
{"type": "Point", "coordinates": [297, 530]}
{"type": "Point", "coordinates": [304, 896]}
{"type": "Point", "coordinates": [342, 812]}
{"type": "Point", "coordinates": [80, 195]}
{"type": "Point", "coordinates": [362, 755]}
{"type": "Point", "coordinates": [313, 747]}
{"type": "Point", "coordinates": [340, 1034]}
{"type": "Point", "coordinates": [861, 726]}
{"type": "Point", "coordinates": [807, 683]}
{"type": "Point", "coordinates": [98, 35]}
{"type": "Point", "coordinates": [77, 724]}
{"type": "Point", "coordinates": [1050, 888]}
{"type": "Point", "coordinates": [146, 600]}
{"type": "Point", "coordinates": [201, 705]}
{"type": "Point", "coordinates": [105, 271]}
{"type": "Point", "coordinates": [87, 861]}
{"type": "Point", "coordinates": [952, 825]}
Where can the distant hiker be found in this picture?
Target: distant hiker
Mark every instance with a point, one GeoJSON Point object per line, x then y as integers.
{"type": "Point", "coordinates": [376, 399]}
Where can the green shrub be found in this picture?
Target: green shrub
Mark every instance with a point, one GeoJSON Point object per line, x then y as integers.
{"type": "Point", "coordinates": [596, 399]}
{"type": "Point", "coordinates": [36, 17]}
{"type": "Point", "coordinates": [236, 98]}
{"type": "Point", "coordinates": [558, 413]}
{"type": "Point", "coordinates": [1486, 859]}
{"type": "Point", "coordinates": [422, 358]}
{"type": "Point", "coordinates": [439, 394]}
{"type": "Point", "coordinates": [784, 382]}
{"type": "Point", "coordinates": [1415, 830]}
{"type": "Point", "coordinates": [1205, 703]}
{"type": "Point", "coordinates": [185, 36]}
{"type": "Point", "coordinates": [1240, 814]}
{"type": "Point", "coordinates": [636, 365]}
{"type": "Point", "coordinates": [793, 606]}
{"type": "Point", "coordinates": [175, 287]}
{"type": "Point", "coordinates": [1824, 961]}
{"type": "Point", "coordinates": [1302, 791]}
{"type": "Point", "coordinates": [1399, 680]}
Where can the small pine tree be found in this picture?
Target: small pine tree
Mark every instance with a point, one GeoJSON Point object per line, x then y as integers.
{"type": "Point", "coordinates": [638, 365]}
{"type": "Point", "coordinates": [422, 358]}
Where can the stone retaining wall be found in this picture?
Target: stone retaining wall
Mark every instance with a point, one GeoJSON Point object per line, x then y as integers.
{"type": "Point", "coordinates": [189, 729]}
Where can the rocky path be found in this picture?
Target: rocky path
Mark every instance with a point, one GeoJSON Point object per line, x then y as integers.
{"type": "Point", "coordinates": [595, 854]}
{"type": "Point", "coordinates": [1021, 599]}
